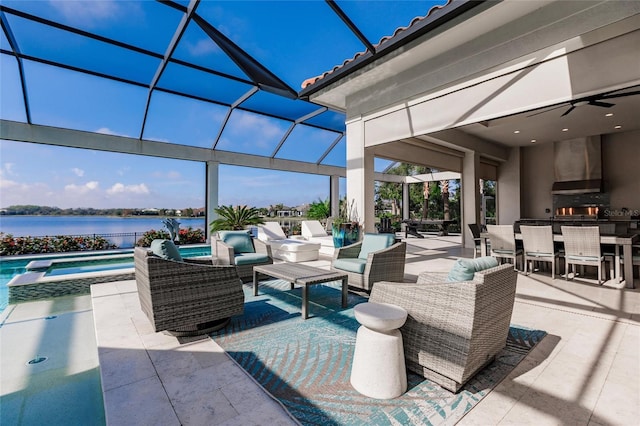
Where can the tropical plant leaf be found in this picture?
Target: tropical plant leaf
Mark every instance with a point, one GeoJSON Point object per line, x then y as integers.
{"type": "Point", "coordinates": [235, 218]}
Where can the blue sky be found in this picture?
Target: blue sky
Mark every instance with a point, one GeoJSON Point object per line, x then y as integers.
{"type": "Point", "coordinates": [277, 34]}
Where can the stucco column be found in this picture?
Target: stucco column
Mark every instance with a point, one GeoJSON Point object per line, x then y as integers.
{"type": "Point", "coordinates": [212, 194]}
{"type": "Point", "coordinates": [508, 190]}
{"type": "Point", "coordinates": [360, 179]}
{"type": "Point", "coordinates": [334, 195]}
{"type": "Point", "coordinates": [470, 183]}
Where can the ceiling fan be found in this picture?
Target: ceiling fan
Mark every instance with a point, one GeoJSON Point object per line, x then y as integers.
{"type": "Point", "coordinates": [594, 100]}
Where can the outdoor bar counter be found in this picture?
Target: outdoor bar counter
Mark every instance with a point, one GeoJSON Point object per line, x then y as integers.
{"type": "Point", "coordinates": [626, 241]}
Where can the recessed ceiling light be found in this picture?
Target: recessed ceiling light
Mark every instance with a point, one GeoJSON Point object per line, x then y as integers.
{"type": "Point", "coordinates": [618, 127]}
{"type": "Point", "coordinates": [565, 130]}
{"type": "Point", "coordinates": [516, 131]}
{"type": "Point", "coordinates": [609, 114]}
{"type": "Point", "coordinates": [533, 141]}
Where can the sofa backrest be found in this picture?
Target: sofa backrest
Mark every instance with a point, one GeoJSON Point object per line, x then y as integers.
{"type": "Point", "coordinates": [375, 242]}
{"type": "Point", "coordinates": [239, 240]}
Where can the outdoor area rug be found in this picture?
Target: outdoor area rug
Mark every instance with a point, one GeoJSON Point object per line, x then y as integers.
{"type": "Point", "coordinates": [306, 364]}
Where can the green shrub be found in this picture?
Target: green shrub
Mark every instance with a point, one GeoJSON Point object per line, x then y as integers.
{"type": "Point", "coordinates": [187, 236]}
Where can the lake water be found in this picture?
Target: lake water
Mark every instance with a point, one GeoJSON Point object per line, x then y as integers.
{"type": "Point", "coordinates": [39, 226]}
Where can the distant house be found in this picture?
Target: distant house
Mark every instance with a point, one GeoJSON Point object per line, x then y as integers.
{"type": "Point", "coordinates": [288, 213]}
{"type": "Point", "coordinates": [151, 212]}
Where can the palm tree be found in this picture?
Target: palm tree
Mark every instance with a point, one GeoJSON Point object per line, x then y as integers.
{"type": "Point", "coordinates": [444, 187]}
{"type": "Point", "coordinates": [319, 210]}
{"type": "Point", "coordinates": [235, 218]}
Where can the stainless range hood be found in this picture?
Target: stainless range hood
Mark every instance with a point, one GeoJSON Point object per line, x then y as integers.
{"type": "Point", "coordinates": [578, 166]}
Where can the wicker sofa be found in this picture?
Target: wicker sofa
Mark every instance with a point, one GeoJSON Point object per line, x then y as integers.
{"type": "Point", "coordinates": [453, 329]}
{"type": "Point", "coordinates": [374, 258]}
{"type": "Point", "coordinates": [187, 297]}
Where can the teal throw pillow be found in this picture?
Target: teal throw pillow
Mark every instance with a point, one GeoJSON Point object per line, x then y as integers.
{"type": "Point", "coordinates": [239, 240]}
{"type": "Point", "coordinates": [375, 242]}
{"type": "Point", "coordinates": [486, 262]}
{"type": "Point", "coordinates": [166, 250]}
{"type": "Point", "coordinates": [465, 269]}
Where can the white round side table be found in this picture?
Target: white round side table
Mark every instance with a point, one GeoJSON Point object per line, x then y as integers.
{"type": "Point", "coordinates": [378, 368]}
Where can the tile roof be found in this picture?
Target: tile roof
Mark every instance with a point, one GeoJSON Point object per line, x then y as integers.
{"type": "Point", "coordinates": [386, 39]}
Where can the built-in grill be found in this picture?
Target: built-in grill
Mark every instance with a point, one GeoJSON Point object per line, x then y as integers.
{"type": "Point", "coordinates": [579, 212]}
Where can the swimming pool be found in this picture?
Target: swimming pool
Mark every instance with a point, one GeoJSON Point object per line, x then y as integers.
{"type": "Point", "coordinates": [65, 267]}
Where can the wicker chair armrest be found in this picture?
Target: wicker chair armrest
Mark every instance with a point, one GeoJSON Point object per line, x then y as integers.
{"type": "Point", "coordinates": [225, 253]}
{"type": "Point", "coordinates": [262, 247]}
{"type": "Point", "coordinates": [350, 251]}
{"type": "Point", "coordinates": [432, 277]}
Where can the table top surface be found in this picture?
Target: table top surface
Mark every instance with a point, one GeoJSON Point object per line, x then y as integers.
{"type": "Point", "coordinates": [295, 271]}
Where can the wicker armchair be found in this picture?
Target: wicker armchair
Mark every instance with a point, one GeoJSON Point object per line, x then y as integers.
{"type": "Point", "coordinates": [453, 329]}
{"type": "Point", "coordinates": [186, 298]}
{"type": "Point", "coordinates": [227, 254]}
{"type": "Point", "coordinates": [386, 264]}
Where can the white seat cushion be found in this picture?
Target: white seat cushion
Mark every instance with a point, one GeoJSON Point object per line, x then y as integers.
{"type": "Point", "coordinates": [294, 245]}
{"type": "Point", "coordinates": [294, 250]}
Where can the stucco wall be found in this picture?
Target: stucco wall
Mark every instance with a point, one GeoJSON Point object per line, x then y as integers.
{"type": "Point", "coordinates": [537, 180]}
{"type": "Point", "coordinates": [621, 169]}
{"type": "Point", "coordinates": [621, 174]}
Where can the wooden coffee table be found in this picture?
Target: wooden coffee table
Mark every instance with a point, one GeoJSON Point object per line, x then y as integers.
{"type": "Point", "coordinates": [303, 275]}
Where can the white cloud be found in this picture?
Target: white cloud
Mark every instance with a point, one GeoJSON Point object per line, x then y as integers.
{"type": "Point", "coordinates": [78, 172]}
{"type": "Point", "coordinates": [172, 174]}
{"type": "Point", "coordinates": [81, 189]}
{"type": "Point", "coordinates": [122, 171]}
{"type": "Point", "coordinates": [202, 47]}
{"type": "Point", "coordinates": [253, 130]}
{"type": "Point", "coordinates": [108, 131]}
{"type": "Point", "coordinates": [8, 169]}
{"type": "Point", "coordinates": [120, 188]}
{"type": "Point", "coordinates": [88, 13]}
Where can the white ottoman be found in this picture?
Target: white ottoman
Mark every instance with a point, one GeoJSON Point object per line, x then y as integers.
{"type": "Point", "coordinates": [378, 369]}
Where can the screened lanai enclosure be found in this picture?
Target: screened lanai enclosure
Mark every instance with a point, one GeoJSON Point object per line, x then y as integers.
{"type": "Point", "coordinates": [212, 82]}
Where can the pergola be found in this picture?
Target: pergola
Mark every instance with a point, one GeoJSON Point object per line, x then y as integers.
{"type": "Point", "coordinates": [466, 86]}
{"type": "Point", "coordinates": [162, 56]}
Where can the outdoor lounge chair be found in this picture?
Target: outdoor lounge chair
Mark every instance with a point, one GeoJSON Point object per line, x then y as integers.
{"type": "Point", "coordinates": [186, 296]}
{"type": "Point", "coordinates": [375, 258]}
{"type": "Point", "coordinates": [313, 231]}
{"type": "Point", "coordinates": [284, 248]}
{"type": "Point", "coordinates": [239, 249]}
{"type": "Point", "coordinates": [453, 329]}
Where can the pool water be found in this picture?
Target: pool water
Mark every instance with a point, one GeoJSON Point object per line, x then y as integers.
{"type": "Point", "coordinates": [11, 266]}
{"type": "Point", "coordinates": [91, 266]}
